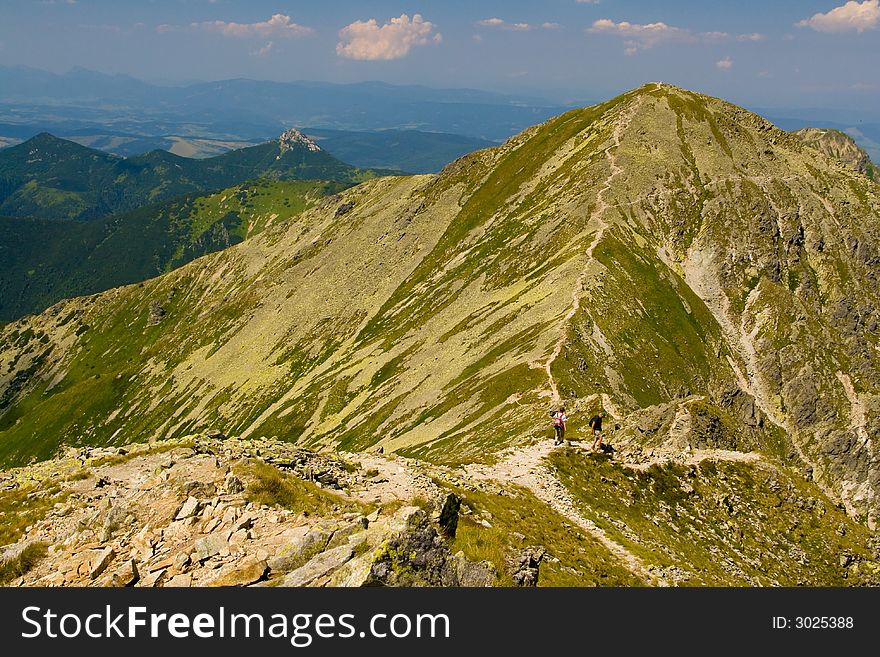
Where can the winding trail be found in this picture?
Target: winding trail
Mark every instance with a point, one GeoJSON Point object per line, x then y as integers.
{"type": "Point", "coordinates": [526, 467]}
{"type": "Point", "coordinates": [602, 207]}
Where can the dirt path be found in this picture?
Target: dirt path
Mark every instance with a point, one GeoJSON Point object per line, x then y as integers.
{"type": "Point", "coordinates": [526, 467]}
{"type": "Point", "coordinates": [602, 207]}
{"type": "Point", "coordinates": [396, 478]}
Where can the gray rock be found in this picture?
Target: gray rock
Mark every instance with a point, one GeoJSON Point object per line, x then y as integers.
{"type": "Point", "coordinates": [524, 568]}
{"type": "Point", "coordinates": [318, 566]}
{"type": "Point", "coordinates": [100, 563]}
{"type": "Point", "coordinates": [474, 574]}
{"type": "Point", "coordinates": [189, 509]}
{"type": "Point", "coordinates": [239, 573]}
{"type": "Point", "coordinates": [233, 484]}
{"type": "Point", "coordinates": [305, 540]}
{"type": "Point", "coordinates": [156, 314]}
{"type": "Point", "coordinates": [211, 545]}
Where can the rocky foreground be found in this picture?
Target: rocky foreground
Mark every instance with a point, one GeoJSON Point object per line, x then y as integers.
{"type": "Point", "coordinates": [200, 512]}
{"type": "Point", "coordinates": [207, 510]}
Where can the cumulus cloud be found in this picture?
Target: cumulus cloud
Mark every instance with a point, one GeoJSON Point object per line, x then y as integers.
{"type": "Point", "coordinates": [725, 64]}
{"type": "Point", "coordinates": [850, 17]}
{"type": "Point", "coordinates": [367, 40]}
{"type": "Point", "coordinates": [753, 36]}
{"type": "Point", "coordinates": [278, 26]}
{"type": "Point", "coordinates": [644, 36]}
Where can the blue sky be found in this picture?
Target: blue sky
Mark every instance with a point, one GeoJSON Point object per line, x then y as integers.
{"type": "Point", "coordinates": [782, 53]}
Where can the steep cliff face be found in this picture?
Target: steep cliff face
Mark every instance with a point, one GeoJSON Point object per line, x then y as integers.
{"type": "Point", "coordinates": [706, 278]}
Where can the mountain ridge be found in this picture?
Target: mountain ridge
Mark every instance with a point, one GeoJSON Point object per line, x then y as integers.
{"type": "Point", "coordinates": [701, 274]}
{"type": "Point", "coordinates": [51, 178]}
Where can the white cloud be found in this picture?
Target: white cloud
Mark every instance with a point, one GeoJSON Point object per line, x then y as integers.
{"type": "Point", "coordinates": [588, 2]}
{"type": "Point", "coordinates": [753, 36]}
{"type": "Point", "coordinates": [265, 50]}
{"type": "Point", "coordinates": [724, 64]}
{"type": "Point", "coordinates": [502, 24]}
{"type": "Point", "coordinates": [366, 40]}
{"type": "Point", "coordinates": [638, 37]}
{"type": "Point", "coordinates": [278, 26]}
{"type": "Point", "coordinates": [850, 17]}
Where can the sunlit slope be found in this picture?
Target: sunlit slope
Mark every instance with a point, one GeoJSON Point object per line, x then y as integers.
{"type": "Point", "coordinates": [667, 255]}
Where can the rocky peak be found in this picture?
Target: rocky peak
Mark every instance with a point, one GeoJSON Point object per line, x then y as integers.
{"type": "Point", "coordinates": [840, 146]}
{"type": "Point", "coordinates": [289, 139]}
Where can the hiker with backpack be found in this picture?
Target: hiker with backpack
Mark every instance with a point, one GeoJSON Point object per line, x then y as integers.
{"type": "Point", "coordinates": [559, 420]}
{"type": "Point", "coordinates": [596, 426]}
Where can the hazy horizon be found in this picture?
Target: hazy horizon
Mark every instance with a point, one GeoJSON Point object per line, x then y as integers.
{"type": "Point", "coordinates": [801, 54]}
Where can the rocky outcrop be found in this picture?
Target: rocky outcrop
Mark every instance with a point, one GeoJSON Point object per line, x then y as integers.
{"type": "Point", "coordinates": [156, 313]}
{"type": "Point", "coordinates": [292, 138]}
{"type": "Point", "coordinates": [418, 556]}
{"type": "Point", "coordinates": [525, 567]}
{"type": "Point", "coordinates": [840, 146]}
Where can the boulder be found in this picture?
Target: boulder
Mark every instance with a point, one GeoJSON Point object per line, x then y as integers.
{"type": "Point", "coordinates": [524, 567]}
{"type": "Point", "coordinates": [474, 574]}
{"type": "Point", "coordinates": [211, 545]}
{"type": "Point", "coordinates": [303, 541]}
{"type": "Point", "coordinates": [189, 509]}
{"type": "Point", "coordinates": [125, 575]}
{"type": "Point", "coordinates": [233, 484]}
{"type": "Point", "coordinates": [100, 561]}
{"type": "Point", "coordinates": [180, 581]}
{"type": "Point", "coordinates": [156, 313]}
{"type": "Point", "coordinates": [319, 566]}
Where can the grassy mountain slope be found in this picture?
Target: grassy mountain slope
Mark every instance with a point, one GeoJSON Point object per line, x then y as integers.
{"type": "Point", "coordinates": [841, 146]}
{"type": "Point", "coordinates": [50, 178]}
{"type": "Point", "coordinates": [705, 277]}
{"type": "Point", "coordinates": [43, 261]}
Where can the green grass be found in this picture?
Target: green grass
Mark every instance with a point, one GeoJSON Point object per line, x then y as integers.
{"type": "Point", "coordinates": [23, 506]}
{"type": "Point", "coordinates": [725, 523]}
{"type": "Point", "coordinates": [582, 560]}
{"type": "Point", "coordinates": [270, 486]}
{"type": "Point", "coordinates": [23, 563]}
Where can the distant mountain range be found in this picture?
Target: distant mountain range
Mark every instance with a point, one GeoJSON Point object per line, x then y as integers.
{"type": "Point", "coordinates": [84, 99]}
{"type": "Point", "coordinates": [51, 178]}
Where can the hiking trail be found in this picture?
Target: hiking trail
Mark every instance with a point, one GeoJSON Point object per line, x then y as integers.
{"type": "Point", "coordinates": [602, 207]}
{"type": "Point", "coordinates": [525, 466]}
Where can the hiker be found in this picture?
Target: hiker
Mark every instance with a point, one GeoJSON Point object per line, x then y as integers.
{"type": "Point", "coordinates": [596, 426]}
{"type": "Point", "coordinates": [559, 420]}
